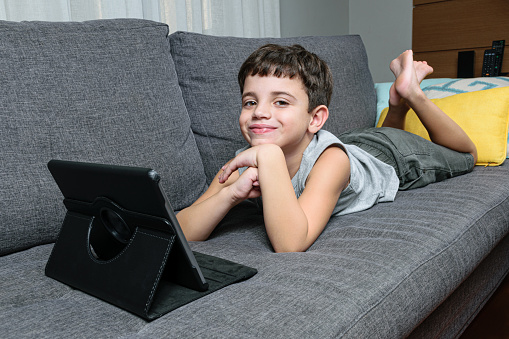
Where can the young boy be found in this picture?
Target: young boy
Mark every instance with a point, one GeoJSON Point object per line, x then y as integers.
{"type": "Point", "coordinates": [305, 174]}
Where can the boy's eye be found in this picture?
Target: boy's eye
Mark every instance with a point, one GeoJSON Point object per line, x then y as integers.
{"type": "Point", "coordinates": [249, 103]}
{"type": "Point", "coordinates": [281, 103]}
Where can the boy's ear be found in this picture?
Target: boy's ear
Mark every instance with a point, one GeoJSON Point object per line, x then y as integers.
{"type": "Point", "coordinates": [319, 116]}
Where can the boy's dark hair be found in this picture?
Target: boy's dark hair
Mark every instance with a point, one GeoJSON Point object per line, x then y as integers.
{"type": "Point", "coordinates": [291, 61]}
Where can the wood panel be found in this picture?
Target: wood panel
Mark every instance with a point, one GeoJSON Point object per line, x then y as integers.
{"type": "Point", "coordinates": [443, 28]}
{"type": "Point", "coordinates": [445, 63]}
{"type": "Point", "coordinates": [459, 24]}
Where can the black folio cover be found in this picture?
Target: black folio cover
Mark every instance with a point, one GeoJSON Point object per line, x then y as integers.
{"type": "Point", "coordinates": [152, 273]}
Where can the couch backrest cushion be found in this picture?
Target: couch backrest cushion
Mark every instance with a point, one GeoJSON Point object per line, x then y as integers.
{"type": "Point", "coordinates": [207, 69]}
{"type": "Point", "coordinates": [100, 91]}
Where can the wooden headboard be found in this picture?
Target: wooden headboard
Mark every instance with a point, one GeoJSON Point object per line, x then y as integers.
{"type": "Point", "coordinates": [442, 28]}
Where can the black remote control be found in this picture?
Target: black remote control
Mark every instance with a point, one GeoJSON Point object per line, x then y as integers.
{"type": "Point", "coordinates": [488, 65]}
{"type": "Point", "coordinates": [498, 46]}
{"type": "Point", "coordinates": [492, 63]}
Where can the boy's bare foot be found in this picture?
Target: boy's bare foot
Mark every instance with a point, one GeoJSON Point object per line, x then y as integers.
{"type": "Point", "coordinates": [409, 74]}
{"type": "Point", "coordinates": [422, 70]}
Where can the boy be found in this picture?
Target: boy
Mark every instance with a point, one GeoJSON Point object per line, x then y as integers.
{"type": "Point", "coordinates": [305, 174]}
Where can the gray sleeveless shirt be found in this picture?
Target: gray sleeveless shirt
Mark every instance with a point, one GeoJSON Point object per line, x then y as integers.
{"type": "Point", "coordinates": [371, 180]}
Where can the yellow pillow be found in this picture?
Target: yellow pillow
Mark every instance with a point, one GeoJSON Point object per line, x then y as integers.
{"type": "Point", "coordinates": [483, 115]}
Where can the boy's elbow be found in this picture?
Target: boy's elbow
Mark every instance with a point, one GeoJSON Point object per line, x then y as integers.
{"type": "Point", "coordinates": [289, 248]}
{"type": "Point", "coordinates": [292, 238]}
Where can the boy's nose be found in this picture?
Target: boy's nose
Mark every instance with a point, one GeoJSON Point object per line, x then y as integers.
{"type": "Point", "coordinates": [261, 112]}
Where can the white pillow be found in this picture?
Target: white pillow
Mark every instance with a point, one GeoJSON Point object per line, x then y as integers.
{"type": "Point", "coordinates": [457, 86]}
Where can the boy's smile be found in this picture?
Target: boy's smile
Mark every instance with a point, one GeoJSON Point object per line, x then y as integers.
{"type": "Point", "coordinates": [261, 128]}
{"type": "Point", "coordinates": [275, 110]}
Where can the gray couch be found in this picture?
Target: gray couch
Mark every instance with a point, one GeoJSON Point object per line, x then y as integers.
{"type": "Point", "coordinates": [124, 92]}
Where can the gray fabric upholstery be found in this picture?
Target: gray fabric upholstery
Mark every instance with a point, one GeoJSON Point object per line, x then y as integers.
{"type": "Point", "coordinates": [207, 69]}
{"type": "Point", "coordinates": [372, 274]}
{"type": "Point", "coordinates": [449, 320]}
{"type": "Point", "coordinates": [99, 91]}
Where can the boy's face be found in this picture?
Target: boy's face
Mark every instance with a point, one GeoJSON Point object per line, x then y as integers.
{"type": "Point", "coordinates": [275, 110]}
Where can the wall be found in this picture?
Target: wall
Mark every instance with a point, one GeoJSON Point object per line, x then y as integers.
{"type": "Point", "coordinates": [386, 29]}
{"type": "Point", "coordinates": [384, 25]}
{"type": "Point", "coordinates": [315, 17]}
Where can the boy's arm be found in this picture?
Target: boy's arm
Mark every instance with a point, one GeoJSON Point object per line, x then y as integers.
{"type": "Point", "coordinates": [328, 178]}
{"type": "Point", "coordinates": [294, 224]}
{"type": "Point", "coordinates": [200, 219]}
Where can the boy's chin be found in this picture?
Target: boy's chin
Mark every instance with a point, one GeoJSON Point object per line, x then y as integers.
{"type": "Point", "coordinates": [259, 142]}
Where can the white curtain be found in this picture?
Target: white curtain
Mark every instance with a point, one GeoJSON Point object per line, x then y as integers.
{"type": "Point", "coordinates": [241, 18]}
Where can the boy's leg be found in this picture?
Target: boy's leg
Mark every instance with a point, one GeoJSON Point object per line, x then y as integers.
{"type": "Point", "coordinates": [417, 161]}
{"type": "Point", "coordinates": [398, 106]}
{"type": "Point", "coordinates": [406, 93]}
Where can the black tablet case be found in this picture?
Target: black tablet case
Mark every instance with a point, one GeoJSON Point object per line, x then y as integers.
{"type": "Point", "coordinates": [145, 277]}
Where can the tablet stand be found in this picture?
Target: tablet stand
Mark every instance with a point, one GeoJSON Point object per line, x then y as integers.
{"type": "Point", "coordinates": [140, 278]}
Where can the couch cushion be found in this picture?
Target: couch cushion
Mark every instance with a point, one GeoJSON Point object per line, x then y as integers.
{"type": "Point", "coordinates": [99, 91]}
{"type": "Point", "coordinates": [207, 69]}
{"type": "Point", "coordinates": [373, 274]}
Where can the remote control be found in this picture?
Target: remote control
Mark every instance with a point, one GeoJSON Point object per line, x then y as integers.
{"type": "Point", "coordinates": [492, 63]}
{"type": "Point", "coordinates": [498, 46]}
{"type": "Point", "coordinates": [488, 66]}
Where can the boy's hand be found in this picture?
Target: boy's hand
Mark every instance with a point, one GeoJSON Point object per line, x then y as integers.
{"type": "Point", "coordinates": [246, 186]}
{"type": "Point", "coordinates": [248, 158]}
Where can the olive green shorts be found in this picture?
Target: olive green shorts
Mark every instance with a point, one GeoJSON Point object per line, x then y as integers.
{"type": "Point", "coordinates": [417, 161]}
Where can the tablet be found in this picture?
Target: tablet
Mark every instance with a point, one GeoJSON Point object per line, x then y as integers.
{"type": "Point", "coordinates": [122, 199]}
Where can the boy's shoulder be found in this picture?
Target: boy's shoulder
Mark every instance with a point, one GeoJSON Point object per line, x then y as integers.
{"type": "Point", "coordinates": [321, 141]}
{"type": "Point", "coordinates": [325, 151]}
